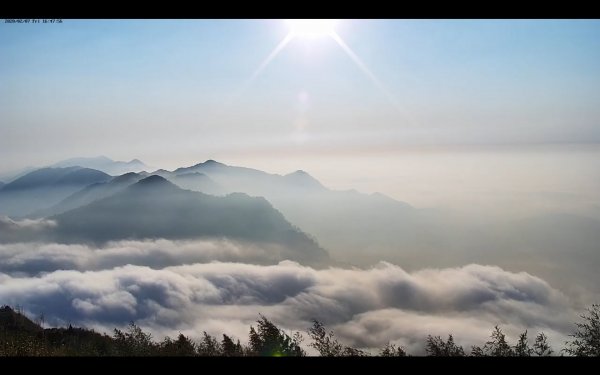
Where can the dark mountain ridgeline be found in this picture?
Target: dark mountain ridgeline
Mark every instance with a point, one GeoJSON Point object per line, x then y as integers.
{"type": "Point", "coordinates": [349, 223]}
{"type": "Point", "coordinates": [13, 175]}
{"type": "Point", "coordinates": [44, 187]}
{"type": "Point", "coordinates": [48, 177]}
{"type": "Point", "coordinates": [90, 194]}
{"type": "Point", "coordinates": [156, 208]}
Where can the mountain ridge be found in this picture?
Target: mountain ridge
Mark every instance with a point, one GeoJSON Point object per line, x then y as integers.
{"type": "Point", "coordinates": [44, 187]}
{"type": "Point", "coordinates": [105, 164]}
{"type": "Point", "coordinates": [154, 208]}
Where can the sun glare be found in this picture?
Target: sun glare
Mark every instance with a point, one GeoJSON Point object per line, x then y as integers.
{"type": "Point", "coordinates": [312, 28]}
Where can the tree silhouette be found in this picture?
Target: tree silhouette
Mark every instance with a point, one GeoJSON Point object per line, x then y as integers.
{"type": "Point", "coordinates": [328, 346]}
{"type": "Point", "coordinates": [231, 349]}
{"type": "Point", "coordinates": [498, 347]}
{"type": "Point", "coordinates": [391, 350]}
{"type": "Point", "coordinates": [209, 346]}
{"type": "Point", "coordinates": [522, 349]}
{"type": "Point", "coordinates": [541, 346]}
{"type": "Point", "coordinates": [477, 351]}
{"type": "Point", "coordinates": [324, 342]}
{"type": "Point", "coordinates": [586, 340]}
{"type": "Point", "coordinates": [133, 342]}
{"type": "Point", "coordinates": [183, 346]}
{"type": "Point", "coordinates": [436, 347]}
{"type": "Point", "coordinates": [21, 336]}
{"type": "Point", "coordinates": [353, 352]}
{"type": "Point", "coordinates": [268, 340]}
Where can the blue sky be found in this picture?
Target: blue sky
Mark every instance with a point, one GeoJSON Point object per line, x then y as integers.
{"type": "Point", "coordinates": [165, 90]}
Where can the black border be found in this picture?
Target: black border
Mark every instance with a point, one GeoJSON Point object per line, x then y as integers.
{"type": "Point", "coordinates": [307, 365]}
{"type": "Point", "coordinates": [302, 9]}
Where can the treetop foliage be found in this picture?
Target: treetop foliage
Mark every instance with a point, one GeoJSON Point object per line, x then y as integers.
{"type": "Point", "coordinates": [20, 336]}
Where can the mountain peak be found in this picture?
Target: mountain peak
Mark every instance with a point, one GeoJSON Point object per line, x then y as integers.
{"type": "Point", "coordinates": [154, 180]}
{"type": "Point", "coordinates": [299, 172]}
{"type": "Point", "coordinates": [125, 177]}
{"type": "Point", "coordinates": [153, 183]}
{"type": "Point", "coordinates": [211, 162]}
{"type": "Point", "coordinates": [302, 178]}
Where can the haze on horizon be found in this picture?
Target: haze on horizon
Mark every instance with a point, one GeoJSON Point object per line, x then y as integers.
{"type": "Point", "coordinates": [485, 134]}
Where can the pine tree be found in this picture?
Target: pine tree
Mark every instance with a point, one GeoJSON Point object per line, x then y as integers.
{"type": "Point", "coordinates": [522, 349]}
{"type": "Point", "coordinates": [586, 340]}
{"type": "Point", "coordinates": [209, 346]}
{"type": "Point", "coordinates": [498, 347]}
{"type": "Point", "coordinates": [324, 342]}
{"type": "Point", "coordinates": [268, 340]}
{"type": "Point", "coordinates": [391, 350]}
{"type": "Point", "coordinates": [436, 347]}
{"type": "Point", "coordinates": [541, 346]}
{"type": "Point", "coordinates": [231, 349]}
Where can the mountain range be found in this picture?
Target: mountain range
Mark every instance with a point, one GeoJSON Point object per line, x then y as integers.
{"type": "Point", "coordinates": [154, 208]}
{"type": "Point", "coordinates": [292, 211]}
{"type": "Point", "coordinates": [43, 187]}
{"type": "Point", "coordinates": [101, 163]}
{"type": "Point", "coordinates": [104, 164]}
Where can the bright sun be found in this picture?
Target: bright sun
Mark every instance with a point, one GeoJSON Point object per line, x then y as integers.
{"type": "Point", "coordinates": [312, 28]}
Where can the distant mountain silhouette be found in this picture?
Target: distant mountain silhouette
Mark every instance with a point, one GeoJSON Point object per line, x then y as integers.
{"type": "Point", "coordinates": [354, 227]}
{"type": "Point", "coordinates": [253, 181]}
{"type": "Point", "coordinates": [303, 180]}
{"type": "Point", "coordinates": [192, 181]}
{"type": "Point", "coordinates": [2, 184]}
{"type": "Point", "coordinates": [44, 187]}
{"type": "Point", "coordinates": [55, 177]}
{"type": "Point", "coordinates": [156, 208]}
{"type": "Point", "coordinates": [104, 164]}
{"type": "Point", "coordinates": [7, 177]}
{"type": "Point", "coordinates": [90, 193]}
{"type": "Point", "coordinates": [343, 221]}
{"type": "Point", "coordinates": [198, 182]}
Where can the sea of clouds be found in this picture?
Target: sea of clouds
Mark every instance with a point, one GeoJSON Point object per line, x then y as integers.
{"type": "Point", "coordinates": [221, 286]}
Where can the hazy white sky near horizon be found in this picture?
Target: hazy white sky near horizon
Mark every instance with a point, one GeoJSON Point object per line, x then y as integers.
{"type": "Point", "coordinates": [161, 91]}
{"type": "Point", "coordinates": [508, 179]}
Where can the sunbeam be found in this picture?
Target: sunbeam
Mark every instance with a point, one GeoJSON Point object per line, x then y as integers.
{"type": "Point", "coordinates": [321, 28]}
{"type": "Point", "coordinates": [369, 74]}
{"type": "Point", "coordinates": [260, 68]}
{"type": "Point", "coordinates": [269, 58]}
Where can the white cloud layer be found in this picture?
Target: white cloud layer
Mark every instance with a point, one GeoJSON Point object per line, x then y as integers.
{"type": "Point", "coordinates": [32, 258]}
{"type": "Point", "coordinates": [15, 230]}
{"type": "Point", "coordinates": [167, 288]}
